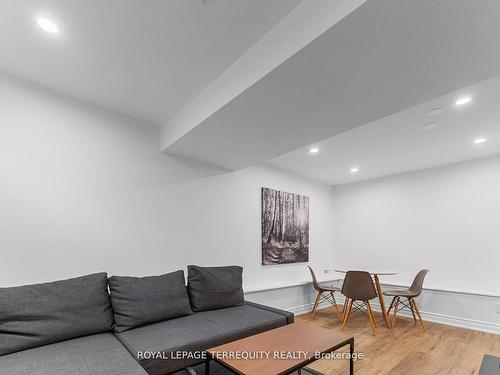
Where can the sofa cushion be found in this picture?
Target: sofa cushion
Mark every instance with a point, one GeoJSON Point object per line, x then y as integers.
{"type": "Point", "coordinates": [193, 333]}
{"type": "Point", "coordinates": [35, 315]}
{"type": "Point", "coordinates": [142, 300]}
{"type": "Point", "coordinates": [100, 354]}
{"type": "Point", "coordinates": [215, 287]}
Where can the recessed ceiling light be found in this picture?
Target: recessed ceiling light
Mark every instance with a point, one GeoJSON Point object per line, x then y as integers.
{"type": "Point", "coordinates": [47, 25]}
{"type": "Point", "coordinates": [313, 150]}
{"type": "Point", "coordinates": [434, 111]}
{"type": "Point", "coordinates": [463, 101]}
{"type": "Point", "coordinates": [479, 140]}
{"type": "Point", "coordinates": [429, 126]}
{"type": "Point", "coordinates": [354, 169]}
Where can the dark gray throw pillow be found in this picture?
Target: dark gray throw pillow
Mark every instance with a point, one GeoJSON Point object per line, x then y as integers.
{"type": "Point", "coordinates": [143, 300]}
{"type": "Point", "coordinates": [40, 314]}
{"type": "Point", "coordinates": [215, 287]}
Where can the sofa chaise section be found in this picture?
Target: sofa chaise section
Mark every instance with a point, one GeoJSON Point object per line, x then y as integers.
{"type": "Point", "coordinates": [197, 332]}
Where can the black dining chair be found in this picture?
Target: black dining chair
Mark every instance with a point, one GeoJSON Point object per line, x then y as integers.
{"type": "Point", "coordinates": [358, 289]}
{"type": "Point", "coordinates": [320, 297]}
{"type": "Point", "coordinates": [410, 294]}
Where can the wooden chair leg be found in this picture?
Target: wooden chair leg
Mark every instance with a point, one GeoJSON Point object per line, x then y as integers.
{"type": "Point", "coordinates": [396, 305]}
{"type": "Point", "coordinates": [347, 313]}
{"type": "Point", "coordinates": [316, 302]}
{"type": "Point", "coordinates": [374, 320]}
{"type": "Point", "coordinates": [391, 306]}
{"type": "Point", "coordinates": [344, 308]}
{"type": "Point", "coordinates": [334, 303]}
{"type": "Point", "coordinates": [410, 302]}
{"type": "Point", "coordinates": [418, 313]}
{"type": "Point", "coordinates": [373, 324]}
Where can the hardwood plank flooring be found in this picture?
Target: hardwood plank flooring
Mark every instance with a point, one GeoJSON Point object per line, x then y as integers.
{"type": "Point", "coordinates": [407, 349]}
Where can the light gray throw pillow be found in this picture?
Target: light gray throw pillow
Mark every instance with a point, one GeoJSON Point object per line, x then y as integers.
{"type": "Point", "coordinates": [40, 314]}
{"type": "Point", "coordinates": [143, 300]}
{"type": "Point", "coordinates": [215, 287]}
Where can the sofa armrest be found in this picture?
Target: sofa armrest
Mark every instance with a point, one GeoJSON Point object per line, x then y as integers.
{"type": "Point", "coordinates": [288, 315]}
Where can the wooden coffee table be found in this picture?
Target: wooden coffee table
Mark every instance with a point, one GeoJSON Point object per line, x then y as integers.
{"type": "Point", "coordinates": [280, 351]}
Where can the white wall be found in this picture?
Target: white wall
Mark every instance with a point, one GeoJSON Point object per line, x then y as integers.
{"type": "Point", "coordinates": [83, 190]}
{"type": "Point", "coordinates": [446, 219]}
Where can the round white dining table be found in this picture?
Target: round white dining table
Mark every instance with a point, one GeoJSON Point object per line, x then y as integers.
{"type": "Point", "coordinates": [375, 274]}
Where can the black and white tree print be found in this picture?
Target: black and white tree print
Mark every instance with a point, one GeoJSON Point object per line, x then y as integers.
{"type": "Point", "coordinates": [285, 227]}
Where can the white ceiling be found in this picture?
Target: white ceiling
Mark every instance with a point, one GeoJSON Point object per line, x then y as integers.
{"type": "Point", "coordinates": [146, 59]}
{"type": "Point", "coordinates": [303, 24]}
{"type": "Point", "coordinates": [398, 143]}
{"type": "Point", "coordinates": [384, 57]}
{"type": "Point", "coordinates": [150, 59]}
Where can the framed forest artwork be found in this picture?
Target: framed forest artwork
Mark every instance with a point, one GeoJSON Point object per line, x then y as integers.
{"type": "Point", "coordinates": [285, 227]}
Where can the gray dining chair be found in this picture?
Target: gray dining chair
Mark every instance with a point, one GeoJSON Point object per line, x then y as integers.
{"type": "Point", "coordinates": [409, 294]}
{"type": "Point", "coordinates": [358, 288]}
{"type": "Point", "coordinates": [321, 289]}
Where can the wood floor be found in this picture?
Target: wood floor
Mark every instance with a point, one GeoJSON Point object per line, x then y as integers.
{"type": "Point", "coordinates": [407, 349]}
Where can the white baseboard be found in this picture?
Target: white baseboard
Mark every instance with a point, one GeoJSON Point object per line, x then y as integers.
{"type": "Point", "coordinates": [454, 321]}
{"type": "Point", "coordinates": [307, 308]}
{"type": "Point", "coordinates": [476, 325]}
{"type": "Point", "coordinates": [479, 312]}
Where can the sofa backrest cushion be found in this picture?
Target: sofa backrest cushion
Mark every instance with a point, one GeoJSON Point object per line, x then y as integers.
{"type": "Point", "coordinates": [40, 314]}
{"type": "Point", "coordinates": [143, 300]}
{"type": "Point", "coordinates": [215, 287]}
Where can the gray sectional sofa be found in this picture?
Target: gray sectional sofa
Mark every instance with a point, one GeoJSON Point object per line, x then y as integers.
{"type": "Point", "coordinates": [93, 325]}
